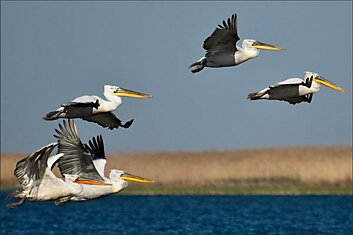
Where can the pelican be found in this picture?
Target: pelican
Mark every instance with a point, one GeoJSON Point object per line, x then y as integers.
{"type": "Point", "coordinates": [295, 90]}
{"type": "Point", "coordinates": [95, 109]}
{"type": "Point", "coordinates": [221, 49]}
{"type": "Point", "coordinates": [39, 182]}
{"type": "Point", "coordinates": [88, 163]}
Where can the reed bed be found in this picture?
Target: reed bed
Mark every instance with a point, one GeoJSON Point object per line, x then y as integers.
{"type": "Point", "coordinates": [311, 166]}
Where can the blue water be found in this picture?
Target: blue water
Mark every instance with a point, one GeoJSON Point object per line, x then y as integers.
{"type": "Point", "coordinates": [183, 215]}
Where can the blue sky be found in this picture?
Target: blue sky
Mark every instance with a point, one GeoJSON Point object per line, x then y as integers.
{"type": "Point", "coordinates": [52, 52]}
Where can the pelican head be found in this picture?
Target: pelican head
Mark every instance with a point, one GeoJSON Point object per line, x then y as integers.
{"type": "Point", "coordinates": [119, 175]}
{"type": "Point", "coordinates": [319, 80]}
{"type": "Point", "coordinates": [253, 44]}
{"type": "Point", "coordinates": [118, 91]}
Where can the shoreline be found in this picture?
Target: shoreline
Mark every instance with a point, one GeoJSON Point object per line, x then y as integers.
{"type": "Point", "coordinates": [227, 190]}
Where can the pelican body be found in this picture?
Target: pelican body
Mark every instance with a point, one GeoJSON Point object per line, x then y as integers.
{"type": "Point", "coordinates": [295, 90]}
{"type": "Point", "coordinates": [88, 163]}
{"type": "Point", "coordinates": [39, 182]}
{"type": "Point", "coordinates": [95, 109]}
{"type": "Point", "coordinates": [221, 49]}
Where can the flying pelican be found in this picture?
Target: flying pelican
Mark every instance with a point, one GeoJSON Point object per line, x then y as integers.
{"type": "Point", "coordinates": [95, 109]}
{"type": "Point", "coordinates": [38, 181]}
{"type": "Point", "coordinates": [88, 163]}
{"type": "Point", "coordinates": [295, 90]}
{"type": "Point", "coordinates": [221, 49]}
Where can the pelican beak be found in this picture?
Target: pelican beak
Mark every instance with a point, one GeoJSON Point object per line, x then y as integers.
{"type": "Point", "coordinates": [329, 84]}
{"type": "Point", "coordinates": [128, 93]}
{"type": "Point", "coordinates": [265, 46]}
{"type": "Point", "coordinates": [135, 178]}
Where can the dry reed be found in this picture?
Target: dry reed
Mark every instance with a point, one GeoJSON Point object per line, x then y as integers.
{"type": "Point", "coordinates": [307, 165]}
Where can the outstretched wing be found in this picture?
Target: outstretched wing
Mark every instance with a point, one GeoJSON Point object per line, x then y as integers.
{"type": "Point", "coordinates": [32, 168]}
{"type": "Point", "coordinates": [96, 147]}
{"type": "Point", "coordinates": [107, 119]}
{"type": "Point", "coordinates": [77, 159]}
{"type": "Point", "coordinates": [224, 38]}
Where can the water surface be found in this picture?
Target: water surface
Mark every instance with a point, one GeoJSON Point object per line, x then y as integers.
{"type": "Point", "coordinates": [183, 215]}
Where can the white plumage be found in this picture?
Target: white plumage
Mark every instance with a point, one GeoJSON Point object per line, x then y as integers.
{"type": "Point", "coordinates": [39, 182]}
{"type": "Point", "coordinates": [95, 109]}
{"type": "Point", "coordinates": [295, 90]}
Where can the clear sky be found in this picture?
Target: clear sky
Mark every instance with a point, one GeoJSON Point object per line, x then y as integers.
{"type": "Point", "coordinates": [52, 52]}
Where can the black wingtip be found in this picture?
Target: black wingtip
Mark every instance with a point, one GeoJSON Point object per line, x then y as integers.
{"type": "Point", "coordinates": [96, 147]}
{"type": "Point", "coordinates": [253, 96]}
{"type": "Point", "coordinates": [229, 24]}
{"type": "Point", "coordinates": [51, 116]}
{"type": "Point", "coordinates": [127, 124]}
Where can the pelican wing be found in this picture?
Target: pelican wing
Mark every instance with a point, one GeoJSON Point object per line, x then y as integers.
{"type": "Point", "coordinates": [107, 119]}
{"type": "Point", "coordinates": [81, 105]}
{"type": "Point", "coordinates": [288, 92]}
{"type": "Point", "coordinates": [32, 168]}
{"type": "Point", "coordinates": [224, 38]}
{"type": "Point", "coordinates": [77, 159]}
{"type": "Point", "coordinates": [96, 147]}
{"type": "Point", "coordinates": [284, 90]}
{"type": "Point", "coordinates": [84, 101]}
{"type": "Point", "coordinates": [290, 81]}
